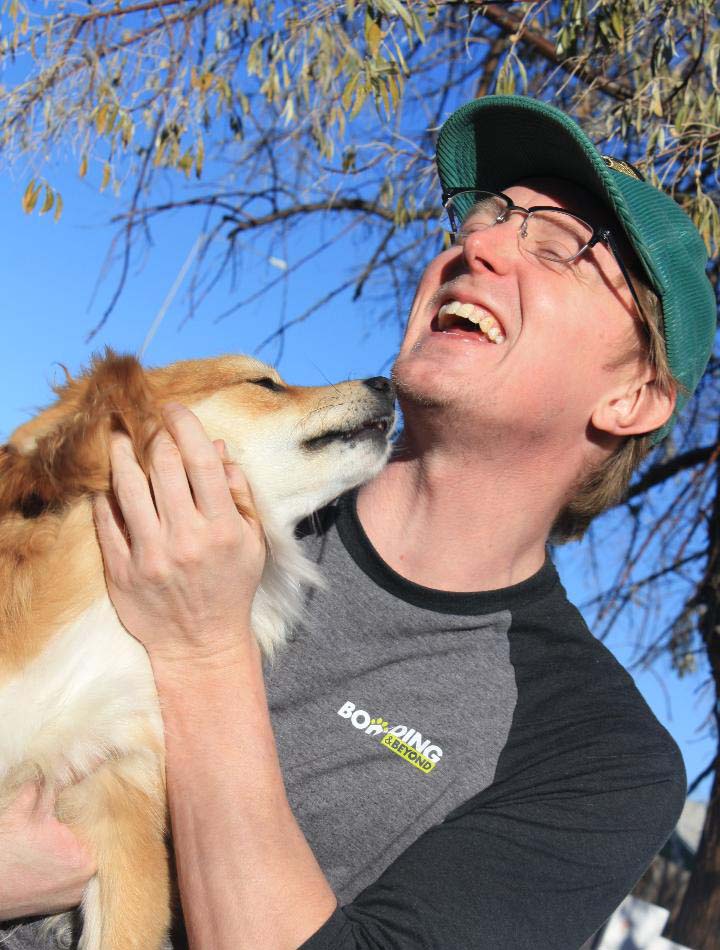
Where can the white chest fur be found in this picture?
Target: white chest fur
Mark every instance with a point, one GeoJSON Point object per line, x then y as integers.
{"type": "Point", "coordinates": [89, 694]}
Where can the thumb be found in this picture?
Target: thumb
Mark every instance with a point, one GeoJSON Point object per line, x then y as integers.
{"type": "Point", "coordinates": [240, 491]}
{"type": "Point", "coordinates": [33, 800]}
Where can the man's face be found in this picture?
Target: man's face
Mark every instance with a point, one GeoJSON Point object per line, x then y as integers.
{"type": "Point", "coordinates": [565, 326]}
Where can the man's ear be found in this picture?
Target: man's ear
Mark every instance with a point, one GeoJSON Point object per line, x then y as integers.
{"type": "Point", "coordinates": [639, 407]}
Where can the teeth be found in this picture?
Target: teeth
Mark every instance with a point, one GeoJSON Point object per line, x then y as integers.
{"type": "Point", "coordinates": [477, 315]}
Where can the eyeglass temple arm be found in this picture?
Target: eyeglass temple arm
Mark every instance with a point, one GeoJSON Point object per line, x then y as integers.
{"type": "Point", "coordinates": [607, 236]}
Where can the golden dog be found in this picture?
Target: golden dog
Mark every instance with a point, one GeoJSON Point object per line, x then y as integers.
{"type": "Point", "coordinates": [75, 689]}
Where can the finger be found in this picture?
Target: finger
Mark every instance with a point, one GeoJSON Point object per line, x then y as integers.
{"type": "Point", "coordinates": [132, 491]}
{"type": "Point", "coordinates": [204, 468]}
{"type": "Point", "coordinates": [110, 529]}
{"type": "Point", "coordinates": [173, 498]}
{"type": "Point", "coordinates": [221, 449]}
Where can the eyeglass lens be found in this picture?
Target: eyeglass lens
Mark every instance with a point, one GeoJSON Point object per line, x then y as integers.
{"type": "Point", "coordinates": [552, 235]}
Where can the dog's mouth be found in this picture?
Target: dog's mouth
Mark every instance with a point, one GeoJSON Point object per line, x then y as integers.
{"type": "Point", "coordinates": [375, 428]}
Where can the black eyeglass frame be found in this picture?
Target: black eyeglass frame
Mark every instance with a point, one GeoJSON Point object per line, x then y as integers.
{"type": "Point", "coordinates": [603, 235]}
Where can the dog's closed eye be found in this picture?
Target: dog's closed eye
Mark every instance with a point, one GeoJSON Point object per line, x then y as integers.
{"type": "Point", "coordinates": [267, 383]}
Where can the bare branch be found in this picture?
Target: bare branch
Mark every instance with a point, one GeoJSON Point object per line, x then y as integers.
{"type": "Point", "coordinates": [334, 204]}
{"type": "Point", "coordinates": [678, 463]}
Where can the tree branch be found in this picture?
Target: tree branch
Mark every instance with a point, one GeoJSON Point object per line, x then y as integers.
{"type": "Point", "coordinates": [513, 23]}
{"type": "Point", "coordinates": [708, 770]}
{"type": "Point", "coordinates": [490, 65]}
{"type": "Point", "coordinates": [334, 204]}
{"type": "Point", "coordinates": [679, 463]}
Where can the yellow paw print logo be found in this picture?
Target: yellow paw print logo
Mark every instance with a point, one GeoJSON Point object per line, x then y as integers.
{"type": "Point", "coordinates": [377, 725]}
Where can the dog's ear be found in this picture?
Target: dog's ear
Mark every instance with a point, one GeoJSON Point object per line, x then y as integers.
{"type": "Point", "coordinates": [64, 453]}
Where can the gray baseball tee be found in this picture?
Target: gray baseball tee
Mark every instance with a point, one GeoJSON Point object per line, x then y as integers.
{"type": "Point", "coordinates": [472, 771]}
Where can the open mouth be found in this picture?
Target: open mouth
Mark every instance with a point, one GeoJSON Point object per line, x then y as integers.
{"type": "Point", "coordinates": [469, 320]}
{"type": "Point", "coordinates": [377, 427]}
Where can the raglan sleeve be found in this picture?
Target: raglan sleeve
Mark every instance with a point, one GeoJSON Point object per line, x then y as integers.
{"type": "Point", "coordinates": [588, 788]}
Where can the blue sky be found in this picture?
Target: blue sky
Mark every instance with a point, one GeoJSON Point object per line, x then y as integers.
{"type": "Point", "coordinates": [48, 272]}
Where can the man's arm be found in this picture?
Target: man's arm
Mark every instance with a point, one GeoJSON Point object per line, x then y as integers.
{"type": "Point", "coordinates": [248, 878]}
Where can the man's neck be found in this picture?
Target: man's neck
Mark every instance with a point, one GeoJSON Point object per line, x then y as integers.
{"type": "Point", "coordinates": [455, 524]}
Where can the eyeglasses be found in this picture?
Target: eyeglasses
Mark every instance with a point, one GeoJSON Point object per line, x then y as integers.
{"type": "Point", "coordinates": [552, 234]}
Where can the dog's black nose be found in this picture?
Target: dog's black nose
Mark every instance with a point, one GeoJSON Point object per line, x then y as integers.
{"type": "Point", "coordinates": [379, 383]}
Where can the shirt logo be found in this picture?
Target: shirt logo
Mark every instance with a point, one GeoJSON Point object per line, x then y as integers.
{"type": "Point", "coordinates": [404, 741]}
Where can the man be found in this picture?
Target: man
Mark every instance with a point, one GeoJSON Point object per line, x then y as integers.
{"type": "Point", "coordinates": [444, 757]}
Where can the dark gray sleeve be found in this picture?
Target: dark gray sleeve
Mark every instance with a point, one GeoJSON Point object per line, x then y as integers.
{"type": "Point", "coordinates": [587, 789]}
{"type": "Point", "coordinates": [540, 871]}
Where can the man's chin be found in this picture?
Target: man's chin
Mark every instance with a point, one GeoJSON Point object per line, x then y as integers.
{"type": "Point", "coordinates": [417, 387]}
{"type": "Point", "coordinates": [421, 382]}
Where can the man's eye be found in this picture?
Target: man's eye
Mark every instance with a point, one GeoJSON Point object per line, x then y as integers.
{"type": "Point", "coordinates": [267, 383]}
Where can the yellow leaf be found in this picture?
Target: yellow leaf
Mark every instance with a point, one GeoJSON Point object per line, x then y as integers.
{"type": "Point", "coordinates": [399, 10]}
{"type": "Point", "coordinates": [394, 91]}
{"type": "Point", "coordinates": [105, 177]}
{"type": "Point", "coordinates": [373, 36]}
{"type": "Point", "coordinates": [401, 60]}
{"type": "Point", "coordinates": [348, 91]}
{"type": "Point", "coordinates": [385, 98]}
{"type": "Point", "coordinates": [288, 112]}
{"type": "Point", "coordinates": [342, 64]}
{"type": "Point", "coordinates": [417, 26]}
{"type": "Point", "coordinates": [341, 123]}
{"type": "Point", "coordinates": [110, 119]}
{"type": "Point", "coordinates": [360, 98]}
{"type": "Point", "coordinates": [656, 102]}
{"type": "Point", "coordinates": [100, 117]}
{"type": "Point", "coordinates": [199, 157]}
{"type": "Point", "coordinates": [186, 162]}
{"type": "Point", "coordinates": [127, 130]}
{"type": "Point", "coordinates": [49, 200]}
{"type": "Point", "coordinates": [58, 207]}
{"type": "Point", "coordinates": [82, 171]}
{"type": "Point", "coordinates": [505, 85]}
{"type": "Point", "coordinates": [30, 197]}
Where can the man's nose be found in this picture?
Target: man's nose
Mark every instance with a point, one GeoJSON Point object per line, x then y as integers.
{"type": "Point", "coordinates": [496, 248]}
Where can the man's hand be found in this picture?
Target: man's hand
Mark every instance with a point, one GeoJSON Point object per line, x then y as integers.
{"type": "Point", "coordinates": [44, 867]}
{"type": "Point", "coordinates": [182, 570]}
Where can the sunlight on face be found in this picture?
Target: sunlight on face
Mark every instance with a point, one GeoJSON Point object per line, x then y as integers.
{"type": "Point", "coordinates": [564, 323]}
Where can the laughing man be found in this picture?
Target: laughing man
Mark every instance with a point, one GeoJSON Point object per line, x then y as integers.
{"type": "Point", "coordinates": [444, 757]}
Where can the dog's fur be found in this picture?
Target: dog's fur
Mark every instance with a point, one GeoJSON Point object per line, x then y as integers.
{"type": "Point", "coordinates": [78, 704]}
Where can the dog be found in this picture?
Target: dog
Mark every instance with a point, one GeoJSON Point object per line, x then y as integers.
{"type": "Point", "coordinates": [78, 705]}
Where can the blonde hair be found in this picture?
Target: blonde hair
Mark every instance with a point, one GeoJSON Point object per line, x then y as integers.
{"type": "Point", "coordinates": [605, 485]}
